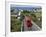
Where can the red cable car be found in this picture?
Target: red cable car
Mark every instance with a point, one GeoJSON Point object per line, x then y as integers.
{"type": "Point", "coordinates": [29, 24]}
{"type": "Point", "coordinates": [28, 21]}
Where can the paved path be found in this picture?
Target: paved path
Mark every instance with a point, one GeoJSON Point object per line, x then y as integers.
{"type": "Point", "coordinates": [35, 27]}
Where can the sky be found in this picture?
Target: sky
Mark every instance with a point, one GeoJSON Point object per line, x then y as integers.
{"type": "Point", "coordinates": [24, 7]}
